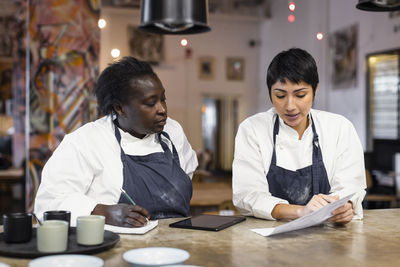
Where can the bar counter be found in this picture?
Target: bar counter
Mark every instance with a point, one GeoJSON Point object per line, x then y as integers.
{"type": "Point", "coordinates": [375, 241]}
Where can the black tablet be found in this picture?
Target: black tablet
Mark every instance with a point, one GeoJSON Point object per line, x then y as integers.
{"type": "Point", "coordinates": [208, 222]}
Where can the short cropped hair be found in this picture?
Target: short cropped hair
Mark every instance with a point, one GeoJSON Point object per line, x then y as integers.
{"type": "Point", "coordinates": [117, 80]}
{"type": "Point", "coordinates": [295, 65]}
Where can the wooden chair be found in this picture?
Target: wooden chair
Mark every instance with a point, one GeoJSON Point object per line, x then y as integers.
{"type": "Point", "coordinates": [391, 199]}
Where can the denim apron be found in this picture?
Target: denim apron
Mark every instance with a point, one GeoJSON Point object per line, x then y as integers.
{"type": "Point", "coordinates": [156, 181]}
{"type": "Point", "coordinates": [299, 186]}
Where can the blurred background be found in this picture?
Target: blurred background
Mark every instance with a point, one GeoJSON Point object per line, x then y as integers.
{"type": "Point", "coordinates": [52, 51]}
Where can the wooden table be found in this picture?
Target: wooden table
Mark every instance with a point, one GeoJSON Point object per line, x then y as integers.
{"type": "Point", "coordinates": [375, 241]}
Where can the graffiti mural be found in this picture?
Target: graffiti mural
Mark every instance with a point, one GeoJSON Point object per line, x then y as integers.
{"type": "Point", "coordinates": [65, 48]}
{"type": "Point", "coordinates": [64, 61]}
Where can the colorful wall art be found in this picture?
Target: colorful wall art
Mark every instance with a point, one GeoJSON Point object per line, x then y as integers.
{"type": "Point", "coordinates": [62, 42]}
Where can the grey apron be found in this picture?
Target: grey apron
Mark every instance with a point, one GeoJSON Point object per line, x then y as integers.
{"type": "Point", "coordinates": [298, 187]}
{"type": "Point", "coordinates": [156, 181]}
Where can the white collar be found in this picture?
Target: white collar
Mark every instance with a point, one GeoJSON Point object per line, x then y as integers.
{"type": "Point", "coordinates": [292, 133]}
{"type": "Point", "coordinates": [127, 136]}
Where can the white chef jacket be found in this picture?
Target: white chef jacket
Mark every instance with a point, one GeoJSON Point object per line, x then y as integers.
{"type": "Point", "coordinates": [342, 154]}
{"type": "Point", "coordinates": [86, 168]}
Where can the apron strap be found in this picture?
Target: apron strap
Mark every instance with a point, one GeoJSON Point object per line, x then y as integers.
{"type": "Point", "coordinates": [316, 159]}
{"type": "Point", "coordinates": [276, 131]}
{"type": "Point", "coordinates": [118, 136]}
{"type": "Point", "coordinates": [165, 146]}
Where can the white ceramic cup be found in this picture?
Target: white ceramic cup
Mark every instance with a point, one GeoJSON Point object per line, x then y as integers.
{"type": "Point", "coordinates": [90, 230]}
{"type": "Point", "coordinates": [52, 236]}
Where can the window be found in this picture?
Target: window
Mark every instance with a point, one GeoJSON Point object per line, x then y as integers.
{"type": "Point", "coordinates": [383, 108]}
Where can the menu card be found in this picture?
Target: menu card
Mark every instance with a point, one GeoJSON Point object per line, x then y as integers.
{"type": "Point", "coordinates": [308, 220]}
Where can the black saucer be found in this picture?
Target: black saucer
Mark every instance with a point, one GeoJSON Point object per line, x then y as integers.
{"type": "Point", "coordinates": [29, 249]}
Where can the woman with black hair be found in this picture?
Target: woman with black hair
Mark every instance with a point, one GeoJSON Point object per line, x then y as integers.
{"type": "Point", "coordinates": [292, 160]}
{"type": "Point", "coordinates": [134, 147]}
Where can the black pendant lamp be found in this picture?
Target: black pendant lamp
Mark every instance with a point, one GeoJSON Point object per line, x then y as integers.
{"type": "Point", "coordinates": [174, 16]}
{"type": "Point", "coordinates": [378, 5]}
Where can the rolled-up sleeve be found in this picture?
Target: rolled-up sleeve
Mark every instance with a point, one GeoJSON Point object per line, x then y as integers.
{"type": "Point", "coordinates": [251, 194]}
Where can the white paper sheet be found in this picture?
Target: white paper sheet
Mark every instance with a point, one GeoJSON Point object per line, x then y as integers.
{"type": "Point", "coordinates": [308, 220]}
{"type": "Point", "coordinates": [128, 230]}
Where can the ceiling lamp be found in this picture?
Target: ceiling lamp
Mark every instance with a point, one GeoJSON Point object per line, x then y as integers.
{"type": "Point", "coordinates": [174, 16]}
{"type": "Point", "coordinates": [378, 5]}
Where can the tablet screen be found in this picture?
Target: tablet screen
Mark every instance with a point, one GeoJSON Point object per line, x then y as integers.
{"type": "Point", "coordinates": [208, 222]}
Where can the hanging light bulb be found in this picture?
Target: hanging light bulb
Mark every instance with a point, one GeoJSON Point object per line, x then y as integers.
{"type": "Point", "coordinates": [292, 6]}
{"type": "Point", "coordinates": [184, 42]}
{"type": "Point", "coordinates": [320, 36]}
{"type": "Point", "coordinates": [102, 23]}
{"type": "Point", "coordinates": [115, 53]}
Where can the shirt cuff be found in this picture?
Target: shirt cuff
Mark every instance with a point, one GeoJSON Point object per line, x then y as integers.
{"type": "Point", "coordinates": [259, 205]}
{"type": "Point", "coordinates": [356, 200]}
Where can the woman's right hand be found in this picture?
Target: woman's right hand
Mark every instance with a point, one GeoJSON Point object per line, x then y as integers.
{"type": "Point", "coordinates": [123, 214]}
{"type": "Point", "coordinates": [317, 202]}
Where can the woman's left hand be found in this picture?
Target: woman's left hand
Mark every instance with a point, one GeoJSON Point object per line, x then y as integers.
{"type": "Point", "coordinates": [343, 214]}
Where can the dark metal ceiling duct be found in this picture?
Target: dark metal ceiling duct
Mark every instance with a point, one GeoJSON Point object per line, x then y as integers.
{"type": "Point", "coordinates": [378, 5]}
{"type": "Point", "coordinates": [174, 16]}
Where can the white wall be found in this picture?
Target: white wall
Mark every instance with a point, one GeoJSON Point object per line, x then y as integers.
{"type": "Point", "coordinates": [375, 34]}
{"type": "Point", "coordinates": [229, 37]}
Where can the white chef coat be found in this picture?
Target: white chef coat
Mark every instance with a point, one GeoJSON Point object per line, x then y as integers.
{"type": "Point", "coordinates": [342, 154]}
{"type": "Point", "coordinates": [86, 168]}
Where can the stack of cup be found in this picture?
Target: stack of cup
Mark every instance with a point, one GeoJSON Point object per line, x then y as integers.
{"type": "Point", "coordinates": [52, 234]}
{"type": "Point", "coordinates": [62, 215]}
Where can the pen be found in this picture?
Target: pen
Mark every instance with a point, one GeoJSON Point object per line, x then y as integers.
{"type": "Point", "coordinates": [130, 200]}
{"type": "Point", "coordinates": [128, 197]}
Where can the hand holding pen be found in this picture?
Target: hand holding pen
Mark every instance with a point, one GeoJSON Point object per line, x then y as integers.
{"type": "Point", "coordinates": [124, 215]}
{"type": "Point", "coordinates": [131, 200]}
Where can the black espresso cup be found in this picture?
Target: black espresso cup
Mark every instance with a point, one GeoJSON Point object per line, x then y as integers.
{"type": "Point", "coordinates": [63, 215]}
{"type": "Point", "coordinates": [17, 227]}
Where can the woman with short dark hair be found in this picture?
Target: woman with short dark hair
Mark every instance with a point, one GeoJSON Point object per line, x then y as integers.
{"type": "Point", "coordinates": [135, 147]}
{"type": "Point", "coordinates": [292, 160]}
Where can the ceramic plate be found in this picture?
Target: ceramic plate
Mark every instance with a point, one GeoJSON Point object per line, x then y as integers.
{"type": "Point", "coordinates": [67, 261]}
{"type": "Point", "coordinates": [155, 256]}
{"type": "Point", "coordinates": [4, 265]}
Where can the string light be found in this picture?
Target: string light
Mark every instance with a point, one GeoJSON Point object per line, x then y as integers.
{"type": "Point", "coordinates": [101, 23]}
{"type": "Point", "coordinates": [320, 36]}
{"type": "Point", "coordinates": [292, 6]}
{"type": "Point", "coordinates": [115, 53]}
{"type": "Point", "coordinates": [184, 42]}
